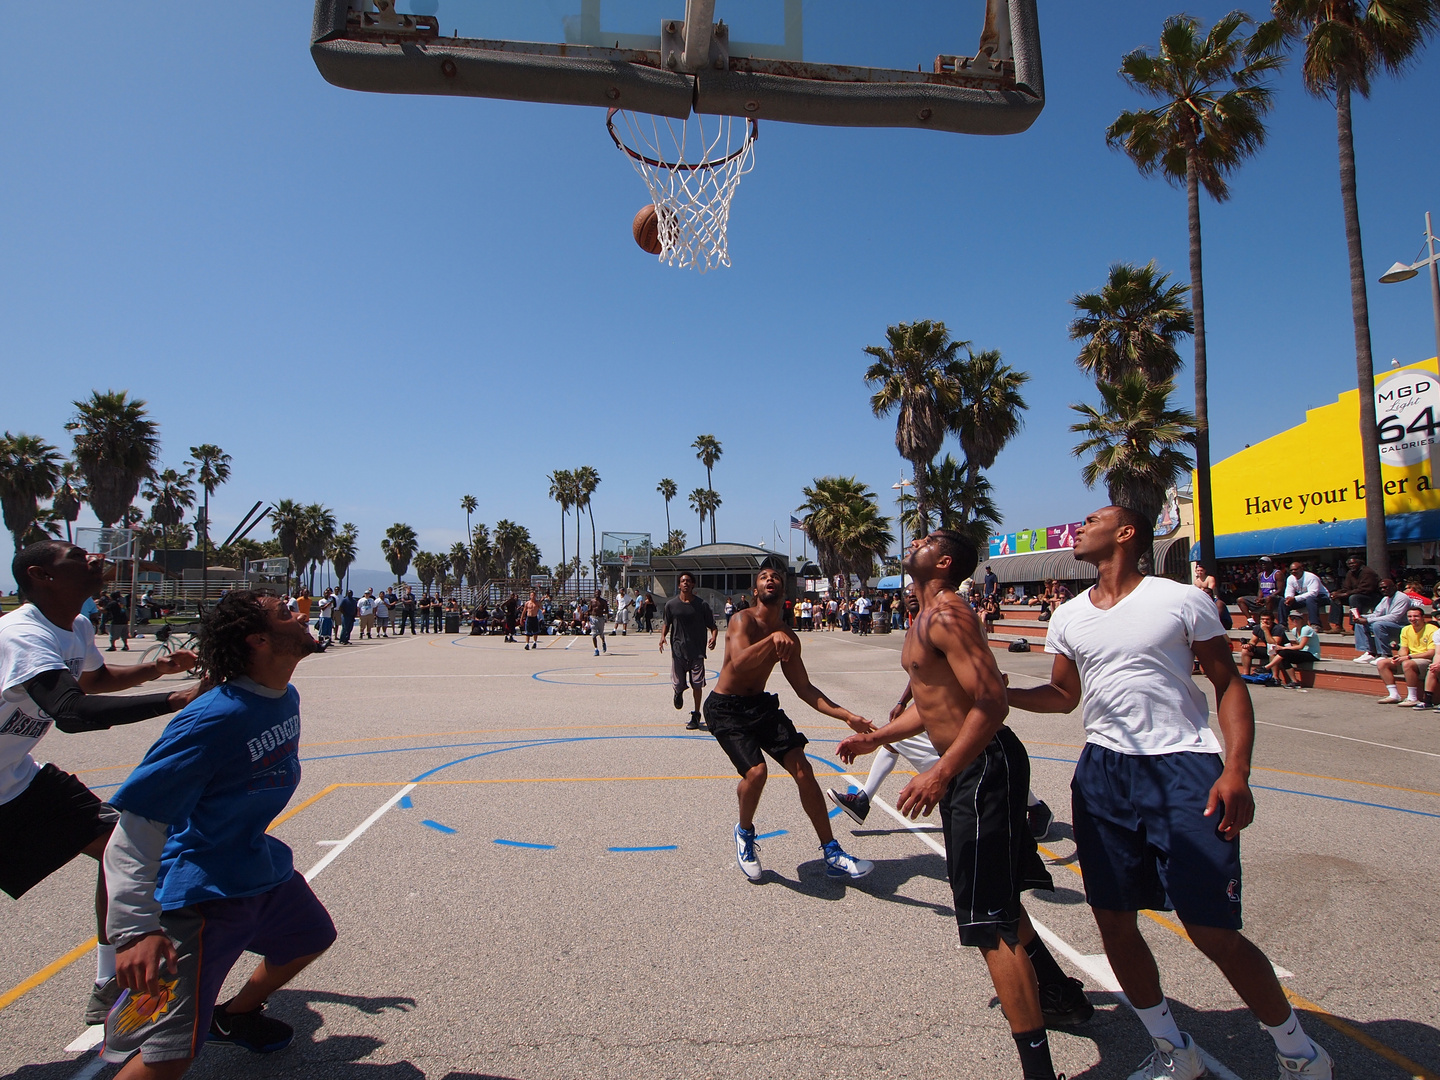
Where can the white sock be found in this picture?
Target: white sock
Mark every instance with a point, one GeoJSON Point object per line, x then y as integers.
{"type": "Point", "coordinates": [1411, 694]}
{"type": "Point", "coordinates": [1032, 799]}
{"type": "Point", "coordinates": [1290, 1038]}
{"type": "Point", "coordinates": [1160, 1023]}
{"type": "Point", "coordinates": [104, 963]}
{"type": "Point", "coordinates": [1394, 692]}
{"type": "Point", "coordinates": [885, 760]}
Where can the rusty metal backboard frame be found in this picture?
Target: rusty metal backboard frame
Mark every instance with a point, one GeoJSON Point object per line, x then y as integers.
{"type": "Point", "coordinates": [405, 54]}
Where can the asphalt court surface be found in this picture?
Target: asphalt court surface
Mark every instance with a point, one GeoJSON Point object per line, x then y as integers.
{"type": "Point", "coordinates": [609, 933]}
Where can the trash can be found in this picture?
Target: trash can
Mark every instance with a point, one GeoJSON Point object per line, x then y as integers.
{"type": "Point", "coordinates": [452, 622]}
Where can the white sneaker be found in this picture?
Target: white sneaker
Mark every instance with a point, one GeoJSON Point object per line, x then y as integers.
{"type": "Point", "coordinates": [747, 853]}
{"type": "Point", "coordinates": [1318, 1068]}
{"type": "Point", "coordinates": [840, 865]}
{"type": "Point", "coordinates": [1170, 1062]}
{"type": "Point", "coordinates": [1365, 658]}
{"type": "Point", "coordinates": [1391, 700]}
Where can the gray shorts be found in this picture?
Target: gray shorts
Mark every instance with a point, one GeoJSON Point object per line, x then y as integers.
{"type": "Point", "coordinates": [597, 625]}
{"type": "Point", "coordinates": [683, 669]}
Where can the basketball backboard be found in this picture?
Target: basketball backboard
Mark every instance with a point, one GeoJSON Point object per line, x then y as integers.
{"type": "Point", "coordinates": [617, 548]}
{"type": "Point", "coordinates": [114, 544]}
{"type": "Point", "coordinates": [885, 63]}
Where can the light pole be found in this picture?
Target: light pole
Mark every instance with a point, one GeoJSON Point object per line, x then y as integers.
{"type": "Point", "coordinates": [900, 487]}
{"type": "Point", "coordinates": [1406, 271]}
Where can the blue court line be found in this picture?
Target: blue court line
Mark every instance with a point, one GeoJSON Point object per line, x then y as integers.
{"type": "Point", "coordinates": [522, 843]}
{"type": "Point", "coordinates": [406, 803]}
{"type": "Point", "coordinates": [1337, 798]}
{"type": "Point", "coordinates": [657, 847]}
{"type": "Point", "coordinates": [835, 813]}
{"type": "Point", "coordinates": [438, 827]}
{"type": "Point", "coordinates": [771, 835]}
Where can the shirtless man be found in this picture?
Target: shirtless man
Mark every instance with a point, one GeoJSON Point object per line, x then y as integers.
{"type": "Point", "coordinates": [978, 783]}
{"type": "Point", "coordinates": [748, 723]}
{"type": "Point", "coordinates": [532, 622]}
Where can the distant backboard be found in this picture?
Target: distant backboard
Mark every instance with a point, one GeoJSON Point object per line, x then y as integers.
{"type": "Point", "coordinates": [970, 66]}
{"type": "Point", "coordinates": [615, 546]}
{"type": "Point", "coordinates": [114, 544]}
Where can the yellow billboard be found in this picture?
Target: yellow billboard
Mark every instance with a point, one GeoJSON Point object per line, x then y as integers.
{"type": "Point", "coordinates": [1312, 474]}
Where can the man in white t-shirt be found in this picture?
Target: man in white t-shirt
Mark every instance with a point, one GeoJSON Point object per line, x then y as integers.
{"type": "Point", "coordinates": [1157, 811]}
{"type": "Point", "coordinates": [51, 675]}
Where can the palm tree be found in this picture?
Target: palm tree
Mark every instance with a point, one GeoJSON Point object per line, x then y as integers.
{"type": "Point", "coordinates": [29, 472]}
{"type": "Point", "coordinates": [667, 490]}
{"type": "Point", "coordinates": [399, 548]}
{"type": "Point", "coordinates": [425, 565]}
{"type": "Point", "coordinates": [1135, 442]}
{"type": "Point", "coordinates": [482, 557]}
{"type": "Point", "coordinates": [341, 551]}
{"type": "Point", "coordinates": [1213, 100]}
{"type": "Point", "coordinates": [712, 503]}
{"type": "Point", "coordinates": [986, 417]}
{"type": "Point", "coordinates": [674, 543]}
{"type": "Point", "coordinates": [69, 495]}
{"type": "Point", "coordinates": [911, 375]}
{"type": "Point", "coordinates": [46, 526]}
{"type": "Point", "coordinates": [317, 529]}
{"type": "Point", "coordinates": [962, 500]}
{"type": "Point", "coordinates": [707, 450]}
{"type": "Point", "coordinates": [116, 447]}
{"type": "Point", "coordinates": [508, 538]}
{"type": "Point", "coordinates": [586, 481]}
{"type": "Point", "coordinates": [1346, 44]}
{"type": "Point", "coordinates": [214, 466]}
{"type": "Point", "coordinates": [459, 559]}
{"type": "Point", "coordinates": [843, 520]}
{"type": "Point", "coordinates": [562, 490]}
{"type": "Point", "coordinates": [287, 521]}
{"type": "Point", "coordinates": [468, 503]}
{"type": "Point", "coordinates": [1134, 323]}
{"type": "Point", "coordinates": [171, 493]}
{"type": "Point", "coordinates": [700, 503]}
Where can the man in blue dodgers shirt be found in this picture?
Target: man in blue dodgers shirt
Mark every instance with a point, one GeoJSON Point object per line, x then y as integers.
{"type": "Point", "coordinates": [194, 879]}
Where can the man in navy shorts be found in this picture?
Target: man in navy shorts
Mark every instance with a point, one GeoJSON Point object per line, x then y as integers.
{"type": "Point", "coordinates": [1157, 810]}
{"type": "Point", "coordinates": [194, 879]}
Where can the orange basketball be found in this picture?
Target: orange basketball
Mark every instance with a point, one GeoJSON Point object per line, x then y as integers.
{"type": "Point", "coordinates": [647, 230]}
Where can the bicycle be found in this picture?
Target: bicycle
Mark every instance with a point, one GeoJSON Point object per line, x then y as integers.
{"type": "Point", "coordinates": [170, 639]}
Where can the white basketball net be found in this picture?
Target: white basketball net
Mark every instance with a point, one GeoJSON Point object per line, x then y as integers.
{"type": "Point", "coordinates": [693, 169]}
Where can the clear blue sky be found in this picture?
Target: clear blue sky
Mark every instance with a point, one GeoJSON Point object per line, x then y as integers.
{"type": "Point", "coordinates": [382, 303]}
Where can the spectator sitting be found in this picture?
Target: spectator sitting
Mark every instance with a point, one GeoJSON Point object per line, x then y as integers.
{"type": "Point", "coordinates": [1267, 595]}
{"type": "Point", "coordinates": [1258, 647]}
{"type": "Point", "coordinates": [1303, 590]}
{"type": "Point", "coordinates": [1288, 657]}
{"type": "Point", "coordinates": [1378, 631]}
{"type": "Point", "coordinates": [1414, 590]}
{"type": "Point", "coordinates": [1417, 649]}
{"type": "Point", "coordinates": [991, 615]}
{"type": "Point", "coordinates": [1010, 597]}
{"type": "Point", "coordinates": [1359, 592]}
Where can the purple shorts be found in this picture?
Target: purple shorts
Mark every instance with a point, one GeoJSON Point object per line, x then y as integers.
{"type": "Point", "coordinates": [282, 925]}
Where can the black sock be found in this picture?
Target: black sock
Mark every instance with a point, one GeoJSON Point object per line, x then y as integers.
{"type": "Point", "coordinates": [1034, 1048]}
{"type": "Point", "coordinates": [1046, 970]}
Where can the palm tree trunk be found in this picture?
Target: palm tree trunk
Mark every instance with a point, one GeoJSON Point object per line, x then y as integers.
{"type": "Point", "coordinates": [667, 521]}
{"type": "Point", "coordinates": [594, 556]}
{"type": "Point", "coordinates": [709, 486]}
{"type": "Point", "coordinates": [1203, 499]}
{"type": "Point", "coordinates": [922, 494]}
{"type": "Point", "coordinates": [562, 536]}
{"type": "Point", "coordinates": [1376, 554]}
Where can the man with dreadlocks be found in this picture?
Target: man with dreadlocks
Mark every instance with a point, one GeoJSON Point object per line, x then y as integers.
{"type": "Point", "coordinates": [194, 879]}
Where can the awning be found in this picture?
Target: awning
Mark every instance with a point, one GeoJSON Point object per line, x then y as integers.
{"type": "Point", "coordinates": [1062, 565]}
{"type": "Point", "coordinates": [892, 582]}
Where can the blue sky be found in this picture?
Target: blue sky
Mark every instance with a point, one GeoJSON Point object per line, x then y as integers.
{"type": "Point", "coordinates": [382, 303]}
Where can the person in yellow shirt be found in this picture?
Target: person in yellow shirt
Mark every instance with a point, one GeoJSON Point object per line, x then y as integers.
{"type": "Point", "coordinates": [1417, 649]}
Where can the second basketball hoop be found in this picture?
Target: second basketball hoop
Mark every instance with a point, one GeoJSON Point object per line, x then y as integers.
{"type": "Point", "coordinates": [692, 169]}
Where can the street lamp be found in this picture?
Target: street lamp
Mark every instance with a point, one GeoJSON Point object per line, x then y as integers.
{"type": "Point", "coordinates": [1406, 271]}
{"type": "Point", "coordinates": [900, 487]}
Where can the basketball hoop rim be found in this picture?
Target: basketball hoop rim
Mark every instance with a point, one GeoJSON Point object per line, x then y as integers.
{"type": "Point", "coordinates": [750, 137]}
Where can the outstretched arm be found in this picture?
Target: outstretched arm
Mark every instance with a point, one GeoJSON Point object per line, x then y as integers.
{"type": "Point", "coordinates": [813, 696]}
{"type": "Point", "coordinates": [906, 723]}
{"type": "Point", "coordinates": [1060, 695]}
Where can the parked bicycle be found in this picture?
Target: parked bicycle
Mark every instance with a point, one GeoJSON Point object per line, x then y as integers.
{"type": "Point", "coordinates": [172, 638]}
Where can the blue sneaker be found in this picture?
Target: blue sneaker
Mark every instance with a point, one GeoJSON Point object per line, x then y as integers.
{"type": "Point", "coordinates": [747, 853]}
{"type": "Point", "coordinates": [840, 865]}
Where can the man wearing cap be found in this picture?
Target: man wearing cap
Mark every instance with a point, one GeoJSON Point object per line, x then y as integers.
{"type": "Point", "coordinates": [1267, 580]}
{"type": "Point", "coordinates": [992, 583]}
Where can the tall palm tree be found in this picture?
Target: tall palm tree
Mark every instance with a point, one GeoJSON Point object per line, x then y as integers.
{"type": "Point", "coordinates": [667, 490]}
{"type": "Point", "coordinates": [562, 490]}
{"type": "Point", "coordinates": [214, 466]}
{"type": "Point", "coordinates": [29, 472]}
{"type": "Point", "coordinates": [425, 565]}
{"type": "Point", "coordinates": [508, 538]}
{"type": "Point", "coordinates": [69, 495]}
{"type": "Point", "coordinates": [987, 416]}
{"type": "Point", "coordinates": [843, 521]}
{"type": "Point", "coordinates": [171, 493]}
{"type": "Point", "coordinates": [399, 548]}
{"type": "Point", "coordinates": [707, 450]}
{"type": "Point", "coordinates": [341, 551]}
{"type": "Point", "coordinates": [911, 375]}
{"type": "Point", "coordinates": [1135, 442]}
{"type": "Point", "coordinates": [468, 503]}
{"type": "Point", "coordinates": [317, 529]}
{"type": "Point", "coordinates": [1213, 100]}
{"type": "Point", "coordinates": [962, 500]}
{"type": "Point", "coordinates": [586, 481]}
{"type": "Point", "coordinates": [1134, 323]}
{"type": "Point", "coordinates": [712, 503]}
{"type": "Point", "coordinates": [116, 448]}
{"type": "Point", "coordinates": [459, 560]}
{"type": "Point", "coordinates": [1346, 44]}
{"type": "Point", "coordinates": [482, 557]}
{"type": "Point", "coordinates": [287, 521]}
{"type": "Point", "coordinates": [700, 503]}
{"type": "Point", "coordinates": [46, 526]}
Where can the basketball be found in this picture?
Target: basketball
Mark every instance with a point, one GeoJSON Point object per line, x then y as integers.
{"type": "Point", "coordinates": [647, 230]}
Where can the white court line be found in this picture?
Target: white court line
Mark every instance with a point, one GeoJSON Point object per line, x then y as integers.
{"type": "Point", "coordinates": [1097, 967]}
{"type": "Point", "coordinates": [88, 1039]}
{"type": "Point", "coordinates": [1347, 738]}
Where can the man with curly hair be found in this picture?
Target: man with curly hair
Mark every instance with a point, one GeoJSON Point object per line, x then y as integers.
{"type": "Point", "coordinates": [194, 878]}
{"type": "Point", "coordinates": [51, 674]}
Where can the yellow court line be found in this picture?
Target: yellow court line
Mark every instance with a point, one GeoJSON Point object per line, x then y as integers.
{"type": "Point", "coordinates": [15, 993]}
{"type": "Point", "coordinates": [1344, 1027]}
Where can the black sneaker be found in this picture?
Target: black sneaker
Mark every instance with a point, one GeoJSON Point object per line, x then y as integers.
{"type": "Point", "coordinates": [855, 803]}
{"type": "Point", "coordinates": [1064, 1004]}
{"type": "Point", "coordinates": [694, 724]}
{"type": "Point", "coordinates": [102, 1000]}
{"type": "Point", "coordinates": [254, 1031]}
{"type": "Point", "coordinates": [680, 698]}
{"type": "Point", "coordinates": [1041, 817]}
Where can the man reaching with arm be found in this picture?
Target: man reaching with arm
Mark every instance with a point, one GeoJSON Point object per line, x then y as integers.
{"type": "Point", "coordinates": [979, 783]}
{"type": "Point", "coordinates": [749, 723]}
